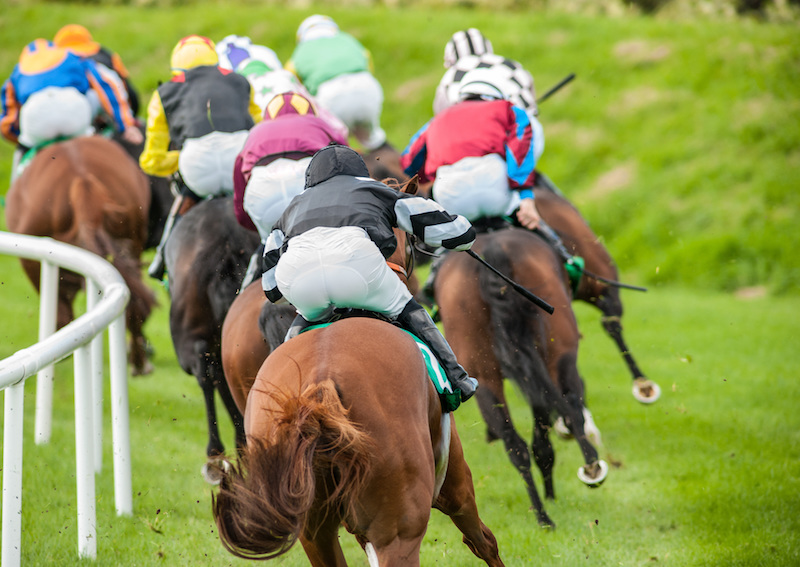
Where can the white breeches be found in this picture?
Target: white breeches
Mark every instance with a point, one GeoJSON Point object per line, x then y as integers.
{"type": "Point", "coordinates": [53, 112]}
{"type": "Point", "coordinates": [328, 267]}
{"type": "Point", "coordinates": [206, 163]}
{"type": "Point", "coordinates": [357, 99]}
{"type": "Point", "coordinates": [475, 187]}
{"type": "Point", "coordinates": [270, 189]}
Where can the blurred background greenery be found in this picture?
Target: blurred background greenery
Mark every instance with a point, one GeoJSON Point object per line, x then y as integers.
{"type": "Point", "coordinates": [679, 140]}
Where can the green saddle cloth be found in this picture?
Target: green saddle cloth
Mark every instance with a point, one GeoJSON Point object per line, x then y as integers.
{"type": "Point", "coordinates": [31, 153]}
{"type": "Point", "coordinates": [449, 397]}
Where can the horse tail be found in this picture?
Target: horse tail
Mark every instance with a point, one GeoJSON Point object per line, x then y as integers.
{"type": "Point", "coordinates": [263, 501]}
{"type": "Point", "coordinates": [518, 329]}
{"type": "Point", "coordinates": [85, 192]}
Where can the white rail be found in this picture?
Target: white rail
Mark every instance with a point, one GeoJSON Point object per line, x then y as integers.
{"type": "Point", "coordinates": [107, 297]}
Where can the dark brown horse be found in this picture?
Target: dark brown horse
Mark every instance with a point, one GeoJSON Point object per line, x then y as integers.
{"type": "Point", "coordinates": [497, 333]}
{"type": "Point", "coordinates": [344, 427]}
{"type": "Point", "coordinates": [206, 258]}
{"type": "Point", "coordinates": [90, 193]}
{"type": "Point", "coordinates": [579, 239]}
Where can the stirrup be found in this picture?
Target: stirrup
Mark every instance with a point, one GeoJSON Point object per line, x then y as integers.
{"type": "Point", "coordinates": [575, 267]}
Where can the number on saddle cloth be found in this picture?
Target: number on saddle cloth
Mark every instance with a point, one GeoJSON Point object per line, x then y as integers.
{"type": "Point", "coordinates": [449, 398]}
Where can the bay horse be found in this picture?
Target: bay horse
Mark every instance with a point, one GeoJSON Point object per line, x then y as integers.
{"type": "Point", "coordinates": [344, 427]}
{"type": "Point", "coordinates": [89, 192]}
{"type": "Point", "coordinates": [206, 257]}
{"type": "Point", "coordinates": [580, 240]}
{"type": "Point", "coordinates": [497, 333]}
{"type": "Point", "coordinates": [253, 326]}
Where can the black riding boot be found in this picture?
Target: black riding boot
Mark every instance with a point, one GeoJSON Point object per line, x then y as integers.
{"type": "Point", "coordinates": [573, 264]}
{"type": "Point", "coordinates": [298, 325]}
{"type": "Point", "coordinates": [415, 319]}
{"type": "Point", "coordinates": [182, 203]}
{"type": "Point", "coordinates": [254, 269]}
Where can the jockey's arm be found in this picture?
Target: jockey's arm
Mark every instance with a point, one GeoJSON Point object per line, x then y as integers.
{"type": "Point", "coordinates": [157, 159]}
{"type": "Point", "coordinates": [9, 113]}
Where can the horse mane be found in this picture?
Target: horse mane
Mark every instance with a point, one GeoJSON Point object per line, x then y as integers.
{"type": "Point", "coordinates": [259, 514]}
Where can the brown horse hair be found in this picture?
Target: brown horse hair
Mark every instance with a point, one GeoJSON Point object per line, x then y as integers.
{"type": "Point", "coordinates": [263, 501]}
{"type": "Point", "coordinates": [89, 233]}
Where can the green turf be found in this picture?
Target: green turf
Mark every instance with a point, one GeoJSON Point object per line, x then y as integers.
{"type": "Point", "coordinates": [678, 142]}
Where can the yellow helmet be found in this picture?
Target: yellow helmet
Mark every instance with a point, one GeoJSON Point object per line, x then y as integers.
{"type": "Point", "coordinates": [193, 51]}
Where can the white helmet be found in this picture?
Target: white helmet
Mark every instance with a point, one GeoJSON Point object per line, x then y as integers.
{"type": "Point", "coordinates": [316, 26]}
{"type": "Point", "coordinates": [487, 83]}
{"type": "Point", "coordinates": [465, 42]}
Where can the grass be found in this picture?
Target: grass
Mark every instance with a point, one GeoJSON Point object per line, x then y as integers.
{"type": "Point", "coordinates": [678, 142]}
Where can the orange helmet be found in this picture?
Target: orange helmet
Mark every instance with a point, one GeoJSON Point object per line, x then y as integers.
{"type": "Point", "coordinates": [77, 39]}
{"type": "Point", "coordinates": [288, 103]}
{"type": "Point", "coordinates": [193, 51]}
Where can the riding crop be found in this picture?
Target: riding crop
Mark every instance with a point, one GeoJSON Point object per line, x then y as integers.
{"type": "Point", "coordinates": [538, 301]}
{"type": "Point", "coordinates": [555, 88]}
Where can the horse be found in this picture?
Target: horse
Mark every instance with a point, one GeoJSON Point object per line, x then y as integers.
{"type": "Point", "coordinates": [497, 333]}
{"type": "Point", "coordinates": [344, 427]}
{"type": "Point", "coordinates": [596, 287]}
{"type": "Point", "coordinates": [89, 192]}
{"type": "Point", "coordinates": [206, 257]}
{"type": "Point", "coordinates": [254, 327]}
{"type": "Point", "coordinates": [384, 163]}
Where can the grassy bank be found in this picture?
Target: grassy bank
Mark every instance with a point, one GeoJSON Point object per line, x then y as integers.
{"type": "Point", "coordinates": [678, 140]}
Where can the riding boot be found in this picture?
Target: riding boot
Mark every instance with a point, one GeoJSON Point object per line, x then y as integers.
{"type": "Point", "coordinates": [182, 203]}
{"type": "Point", "coordinates": [415, 319]}
{"type": "Point", "coordinates": [297, 326]}
{"type": "Point", "coordinates": [254, 267]}
{"type": "Point", "coordinates": [573, 264]}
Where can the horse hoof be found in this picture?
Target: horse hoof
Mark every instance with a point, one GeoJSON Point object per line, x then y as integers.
{"type": "Point", "coordinates": [144, 369]}
{"type": "Point", "coordinates": [214, 469]}
{"type": "Point", "coordinates": [646, 391]}
{"type": "Point", "coordinates": [561, 429]}
{"type": "Point", "coordinates": [595, 474]}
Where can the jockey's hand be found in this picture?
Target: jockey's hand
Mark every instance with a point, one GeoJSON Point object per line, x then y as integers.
{"type": "Point", "coordinates": [133, 135]}
{"type": "Point", "coordinates": [527, 214]}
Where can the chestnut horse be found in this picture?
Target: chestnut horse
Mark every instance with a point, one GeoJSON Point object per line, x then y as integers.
{"type": "Point", "coordinates": [498, 333]}
{"type": "Point", "coordinates": [206, 257]}
{"type": "Point", "coordinates": [579, 239]}
{"type": "Point", "coordinates": [344, 427]}
{"type": "Point", "coordinates": [88, 192]}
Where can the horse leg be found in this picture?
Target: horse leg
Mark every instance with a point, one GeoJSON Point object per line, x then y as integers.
{"type": "Point", "coordinates": [206, 371]}
{"type": "Point", "coordinates": [543, 452]}
{"type": "Point", "coordinates": [236, 416]}
{"type": "Point", "coordinates": [644, 390]}
{"type": "Point", "coordinates": [320, 541]}
{"type": "Point", "coordinates": [457, 500]}
{"type": "Point", "coordinates": [492, 403]}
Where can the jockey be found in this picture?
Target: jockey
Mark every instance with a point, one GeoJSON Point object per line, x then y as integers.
{"type": "Point", "coordinates": [196, 125]}
{"type": "Point", "coordinates": [329, 248]}
{"type": "Point", "coordinates": [79, 41]}
{"type": "Point", "coordinates": [262, 68]}
{"type": "Point", "coordinates": [481, 156]}
{"type": "Point", "coordinates": [468, 50]}
{"type": "Point", "coordinates": [337, 70]}
{"type": "Point", "coordinates": [235, 50]}
{"type": "Point", "coordinates": [271, 168]}
{"type": "Point", "coordinates": [47, 97]}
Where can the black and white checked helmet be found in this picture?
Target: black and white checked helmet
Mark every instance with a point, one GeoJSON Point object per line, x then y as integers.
{"type": "Point", "coordinates": [465, 42]}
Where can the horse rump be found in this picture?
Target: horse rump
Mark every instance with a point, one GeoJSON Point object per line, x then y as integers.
{"type": "Point", "coordinates": [264, 501]}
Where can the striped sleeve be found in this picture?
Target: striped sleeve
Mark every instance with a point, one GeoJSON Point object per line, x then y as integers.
{"type": "Point", "coordinates": [272, 253]}
{"type": "Point", "coordinates": [436, 227]}
{"type": "Point", "coordinates": [9, 112]}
